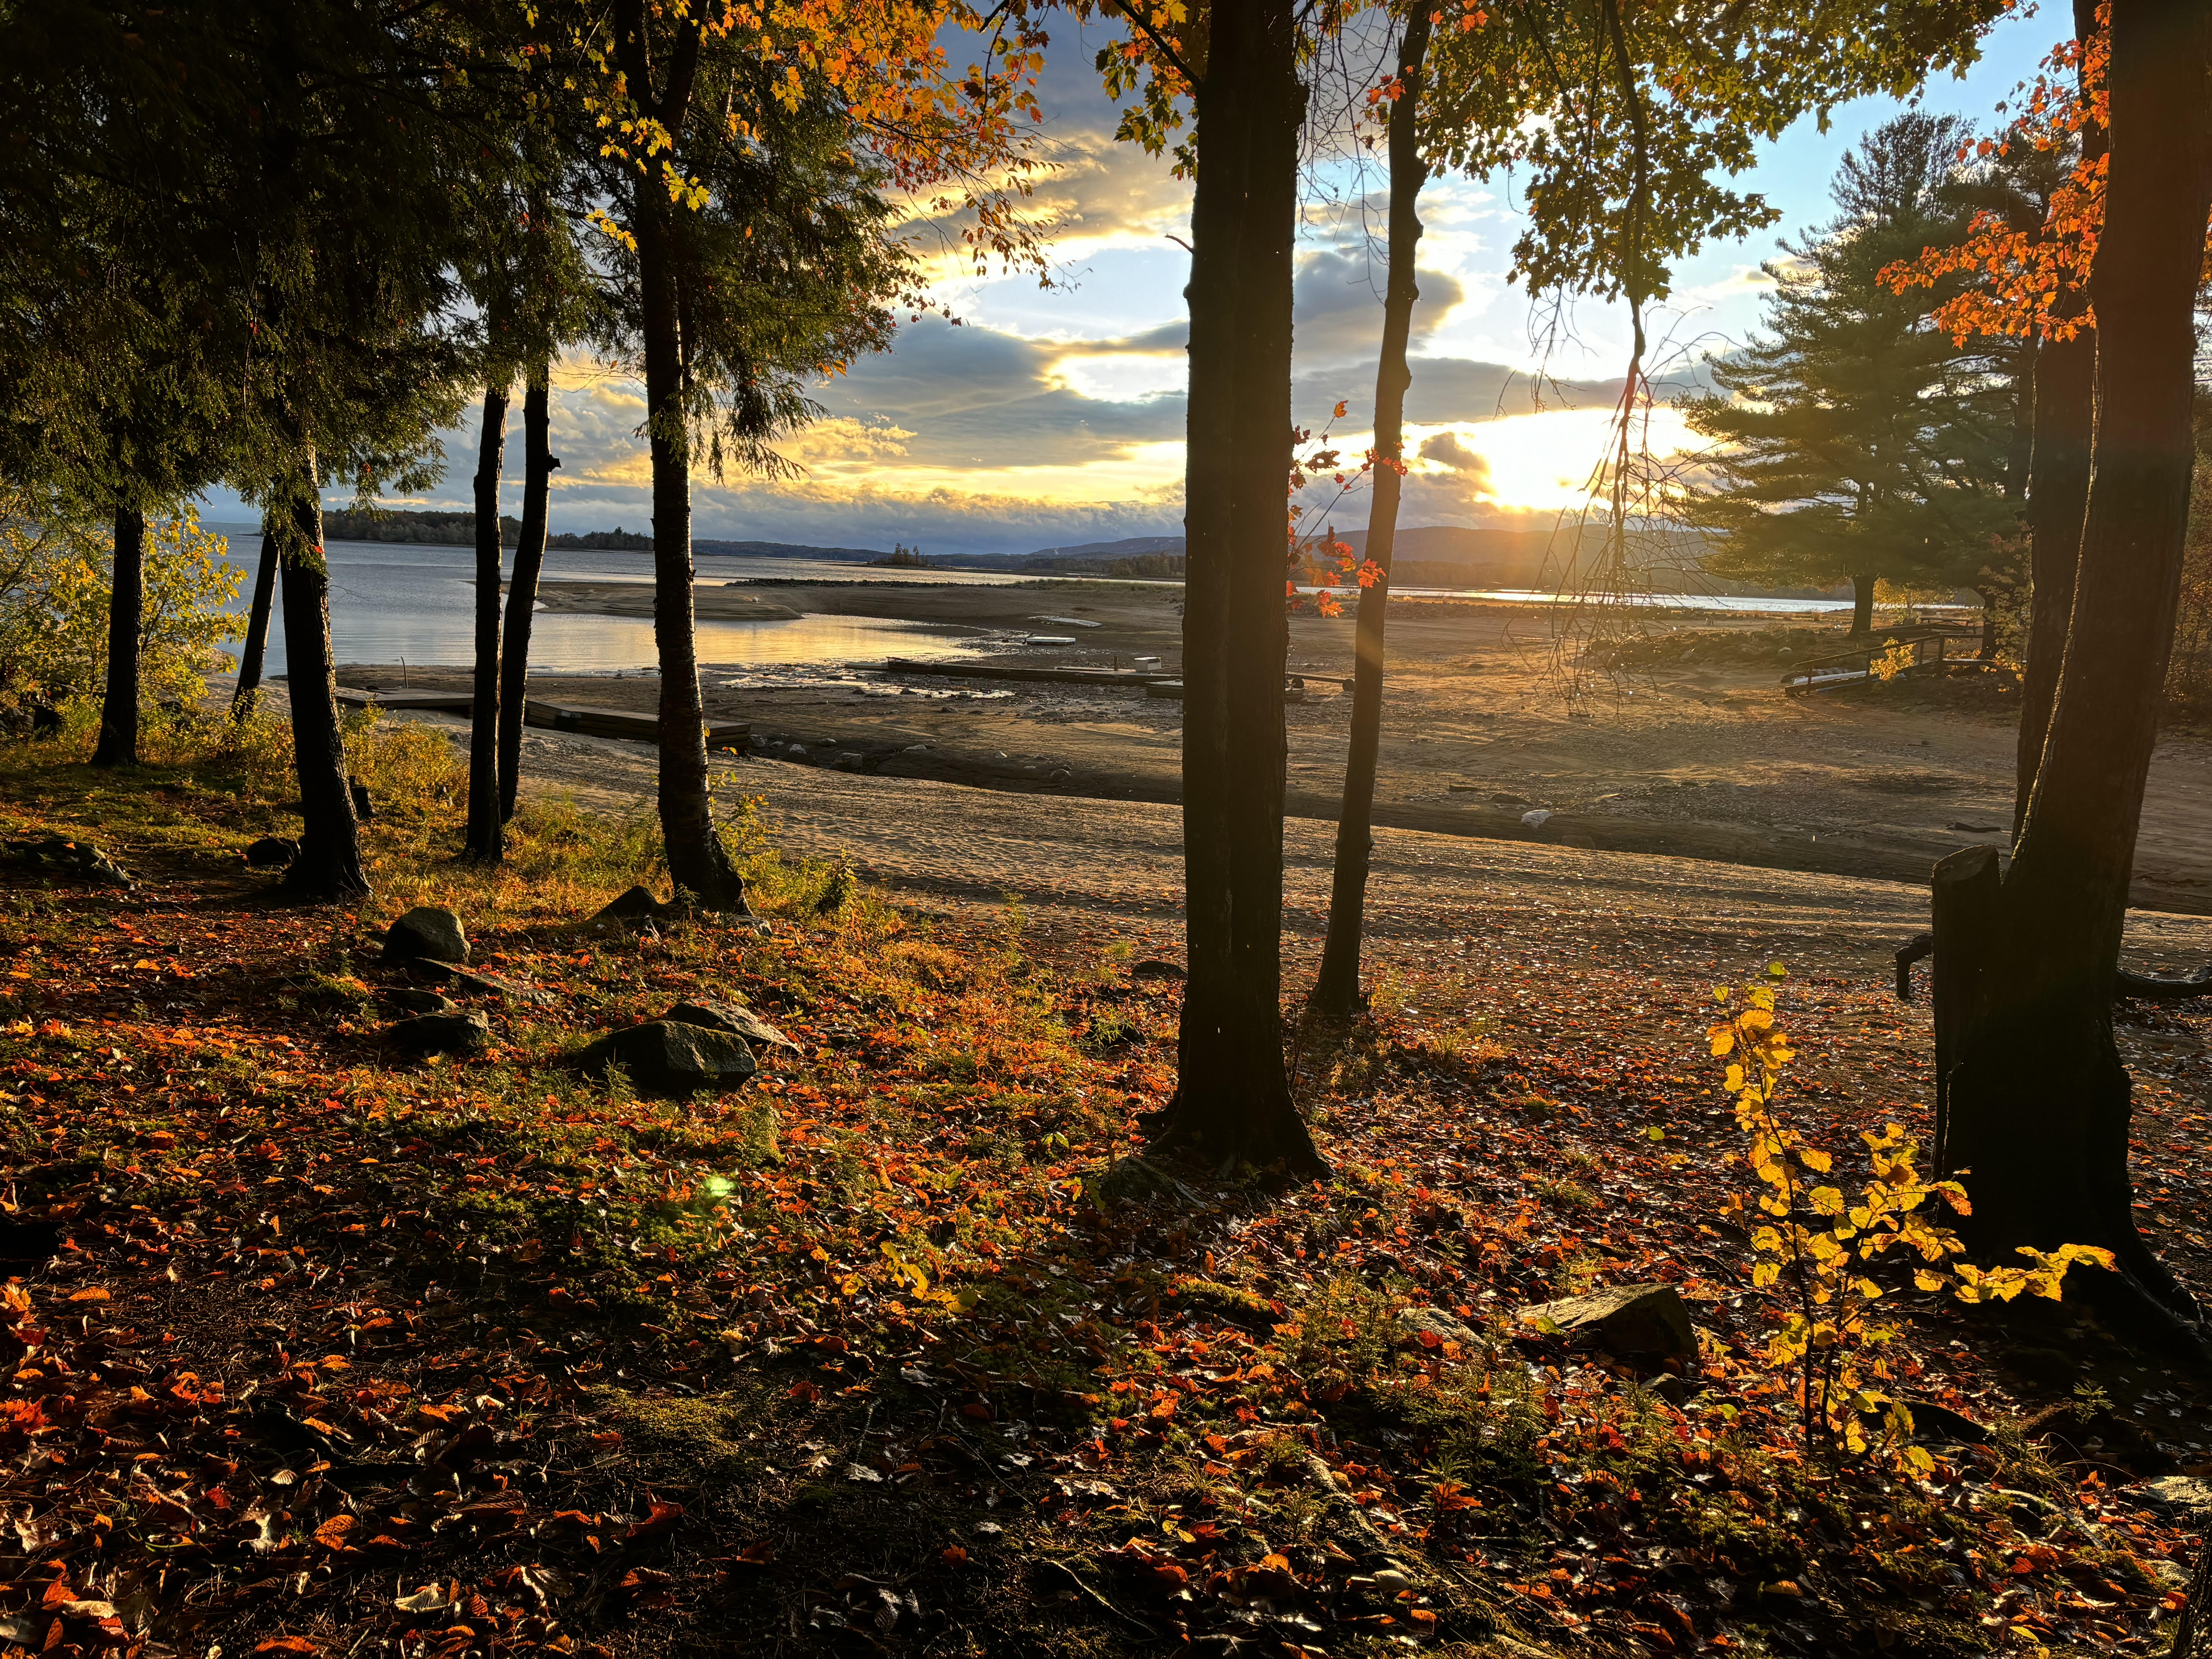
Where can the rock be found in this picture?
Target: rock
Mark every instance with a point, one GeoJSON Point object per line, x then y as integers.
{"type": "Point", "coordinates": [1435, 1322]}
{"type": "Point", "coordinates": [439, 1033]}
{"type": "Point", "coordinates": [271, 853]}
{"type": "Point", "coordinates": [1155, 968]}
{"type": "Point", "coordinates": [732, 1017]}
{"type": "Point", "coordinates": [665, 1057]}
{"type": "Point", "coordinates": [71, 858]}
{"type": "Point", "coordinates": [1649, 1321]}
{"type": "Point", "coordinates": [415, 1000]}
{"type": "Point", "coordinates": [474, 981]}
{"type": "Point", "coordinates": [2186, 1496]}
{"type": "Point", "coordinates": [363, 808]}
{"type": "Point", "coordinates": [426, 934]}
{"type": "Point", "coordinates": [1942, 1425]}
{"type": "Point", "coordinates": [1537, 819]}
{"type": "Point", "coordinates": [635, 909]}
{"type": "Point", "coordinates": [1133, 1181]}
{"type": "Point", "coordinates": [1668, 1386]}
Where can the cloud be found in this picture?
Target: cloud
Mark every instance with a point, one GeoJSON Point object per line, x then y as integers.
{"type": "Point", "coordinates": [1445, 450]}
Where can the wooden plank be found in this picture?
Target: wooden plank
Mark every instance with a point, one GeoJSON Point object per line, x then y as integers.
{"type": "Point", "coordinates": [592, 721]}
{"type": "Point", "coordinates": [453, 703]}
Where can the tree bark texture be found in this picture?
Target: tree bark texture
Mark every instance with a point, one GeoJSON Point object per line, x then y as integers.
{"type": "Point", "coordinates": [1336, 991]}
{"type": "Point", "coordinates": [2039, 1101]}
{"type": "Point", "coordinates": [486, 838]}
{"type": "Point", "coordinates": [698, 863]}
{"type": "Point", "coordinates": [126, 625]}
{"type": "Point", "coordinates": [537, 463]}
{"type": "Point", "coordinates": [1233, 1101]}
{"type": "Point", "coordinates": [1862, 605]}
{"type": "Point", "coordinates": [329, 863]}
{"type": "Point", "coordinates": [255, 650]}
{"type": "Point", "coordinates": [2058, 497]}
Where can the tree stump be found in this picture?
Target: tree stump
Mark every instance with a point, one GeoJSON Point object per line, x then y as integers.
{"type": "Point", "coordinates": [1963, 912]}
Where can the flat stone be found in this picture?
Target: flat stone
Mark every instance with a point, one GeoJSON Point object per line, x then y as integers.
{"type": "Point", "coordinates": [1155, 968]}
{"type": "Point", "coordinates": [2187, 1496]}
{"type": "Point", "coordinates": [425, 933]}
{"type": "Point", "coordinates": [665, 1057]}
{"type": "Point", "coordinates": [733, 1018]}
{"type": "Point", "coordinates": [271, 853]}
{"type": "Point", "coordinates": [1435, 1322]}
{"type": "Point", "coordinates": [439, 1033]}
{"type": "Point", "coordinates": [74, 858]}
{"type": "Point", "coordinates": [475, 981]}
{"type": "Point", "coordinates": [415, 1000]}
{"type": "Point", "coordinates": [1132, 1179]}
{"type": "Point", "coordinates": [1646, 1320]}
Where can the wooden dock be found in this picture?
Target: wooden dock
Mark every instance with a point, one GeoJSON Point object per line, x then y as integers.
{"type": "Point", "coordinates": [439, 702]}
{"type": "Point", "coordinates": [552, 716]}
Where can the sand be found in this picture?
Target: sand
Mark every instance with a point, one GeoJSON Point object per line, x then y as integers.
{"type": "Point", "coordinates": [1710, 763]}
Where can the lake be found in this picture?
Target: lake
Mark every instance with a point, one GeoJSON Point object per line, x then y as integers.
{"type": "Point", "coordinates": [415, 602]}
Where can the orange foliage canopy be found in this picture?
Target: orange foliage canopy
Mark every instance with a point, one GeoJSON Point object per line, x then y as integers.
{"type": "Point", "coordinates": [2031, 282]}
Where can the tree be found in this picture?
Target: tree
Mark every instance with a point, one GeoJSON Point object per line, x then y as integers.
{"type": "Point", "coordinates": [2027, 280]}
{"type": "Point", "coordinates": [1336, 990]}
{"type": "Point", "coordinates": [752, 248]}
{"type": "Point", "coordinates": [1858, 441]}
{"type": "Point", "coordinates": [1590, 139]}
{"type": "Point", "coordinates": [2033, 1095]}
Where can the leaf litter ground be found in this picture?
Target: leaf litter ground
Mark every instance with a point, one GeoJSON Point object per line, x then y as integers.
{"type": "Point", "coordinates": [313, 1352]}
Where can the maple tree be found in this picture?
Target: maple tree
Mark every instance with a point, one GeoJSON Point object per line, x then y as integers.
{"type": "Point", "coordinates": [2038, 1101]}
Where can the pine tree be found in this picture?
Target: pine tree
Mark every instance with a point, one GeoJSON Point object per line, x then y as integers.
{"type": "Point", "coordinates": [1858, 441]}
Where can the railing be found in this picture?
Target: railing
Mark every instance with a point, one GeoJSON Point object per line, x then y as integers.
{"type": "Point", "coordinates": [1925, 648]}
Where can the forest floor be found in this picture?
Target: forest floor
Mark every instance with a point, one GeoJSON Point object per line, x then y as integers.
{"type": "Point", "coordinates": [314, 1351]}
{"type": "Point", "coordinates": [1682, 743]}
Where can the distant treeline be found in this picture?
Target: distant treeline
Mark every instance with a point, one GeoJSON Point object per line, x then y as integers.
{"type": "Point", "coordinates": [459, 530]}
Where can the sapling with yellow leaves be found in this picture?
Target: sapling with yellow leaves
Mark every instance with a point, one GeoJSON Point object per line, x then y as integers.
{"type": "Point", "coordinates": [1822, 1240]}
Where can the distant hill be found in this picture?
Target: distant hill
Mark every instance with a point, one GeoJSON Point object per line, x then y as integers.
{"type": "Point", "coordinates": [459, 530]}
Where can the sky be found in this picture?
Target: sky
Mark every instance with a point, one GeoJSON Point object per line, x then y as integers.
{"type": "Point", "coordinates": [1039, 417]}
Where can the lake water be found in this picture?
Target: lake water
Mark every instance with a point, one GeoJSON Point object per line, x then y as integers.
{"type": "Point", "coordinates": [414, 602]}
{"type": "Point", "coordinates": [411, 602]}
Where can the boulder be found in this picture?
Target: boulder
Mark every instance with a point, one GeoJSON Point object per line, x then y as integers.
{"type": "Point", "coordinates": [2187, 1498]}
{"type": "Point", "coordinates": [271, 853]}
{"type": "Point", "coordinates": [666, 1057]}
{"type": "Point", "coordinates": [1155, 968]}
{"type": "Point", "coordinates": [732, 1017]}
{"type": "Point", "coordinates": [438, 1034]}
{"type": "Point", "coordinates": [1416, 1322]}
{"type": "Point", "coordinates": [1646, 1320]}
{"type": "Point", "coordinates": [426, 934]}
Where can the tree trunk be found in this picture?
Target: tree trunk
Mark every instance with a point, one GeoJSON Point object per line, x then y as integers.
{"type": "Point", "coordinates": [256, 647]}
{"type": "Point", "coordinates": [1989, 597]}
{"type": "Point", "coordinates": [487, 839]}
{"type": "Point", "coordinates": [1232, 1100]}
{"type": "Point", "coordinates": [2057, 496]}
{"type": "Point", "coordinates": [2039, 1101]}
{"type": "Point", "coordinates": [1336, 991]}
{"type": "Point", "coordinates": [537, 463]}
{"type": "Point", "coordinates": [698, 863]}
{"type": "Point", "coordinates": [1862, 605]}
{"type": "Point", "coordinates": [329, 863]}
{"type": "Point", "coordinates": [126, 613]}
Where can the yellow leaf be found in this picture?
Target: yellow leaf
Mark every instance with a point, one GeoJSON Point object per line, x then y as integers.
{"type": "Point", "coordinates": [1826, 1201]}
{"type": "Point", "coordinates": [1723, 1039]}
{"type": "Point", "coordinates": [1819, 1162]}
